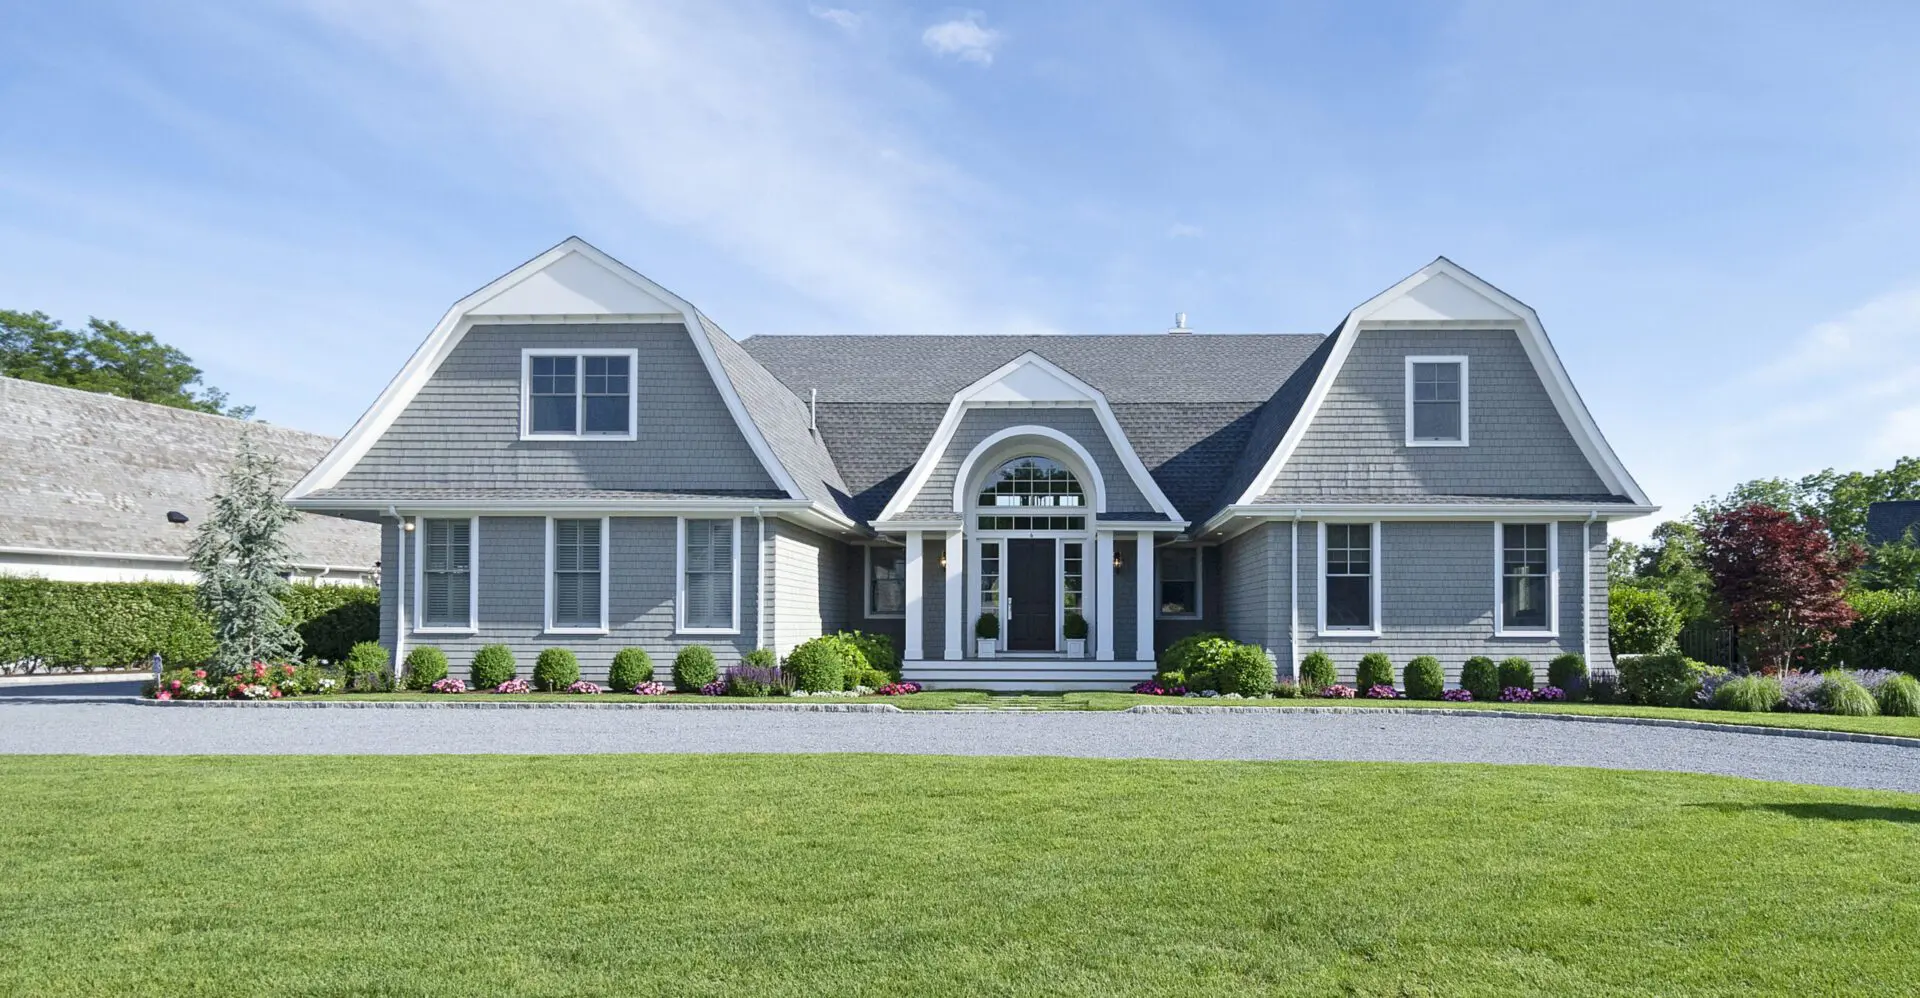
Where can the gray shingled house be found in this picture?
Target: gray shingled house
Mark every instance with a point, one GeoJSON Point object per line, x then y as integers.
{"type": "Point", "coordinates": [87, 482]}
{"type": "Point", "coordinates": [578, 457]}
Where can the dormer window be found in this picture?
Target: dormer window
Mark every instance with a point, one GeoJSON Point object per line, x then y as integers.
{"type": "Point", "coordinates": [1436, 401]}
{"type": "Point", "coordinates": [578, 394]}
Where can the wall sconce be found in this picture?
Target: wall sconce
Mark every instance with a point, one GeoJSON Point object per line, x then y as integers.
{"type": "Point", "coordinates": [1117, 562]}
{"type": "Point", "coordinates": [406, 525]}
{"type": "Point", "coordinates": [943, 557]}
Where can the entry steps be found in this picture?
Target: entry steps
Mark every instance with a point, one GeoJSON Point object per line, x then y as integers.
{"type": "Point", "coordinates": [1025, 675]}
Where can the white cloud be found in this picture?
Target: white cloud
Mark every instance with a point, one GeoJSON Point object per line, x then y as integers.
{"type": "Point", "coordinates": [1181, 230]}
{"type": "Point", "coordinates": [964, 37]}
{"type": "Point", "coordinates": [839, 17]}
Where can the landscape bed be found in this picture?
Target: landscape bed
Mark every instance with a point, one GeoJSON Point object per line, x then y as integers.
{"type": "Point", "coordinates": [857, 875]}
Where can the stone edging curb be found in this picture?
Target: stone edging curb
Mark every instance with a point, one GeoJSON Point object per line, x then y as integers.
{"type": "Point", "coordinates": [584, 703]}
{"type": "Point", "coordinates": [1651, 722]}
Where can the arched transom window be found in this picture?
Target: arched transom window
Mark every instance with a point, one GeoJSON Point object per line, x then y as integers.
{"type": "Point", "coordinates": [1032, 493]}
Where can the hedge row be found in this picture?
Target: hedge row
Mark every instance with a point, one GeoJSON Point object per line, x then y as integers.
{"type": "Point", "coordinates": [1887, 635]}
{"type": "Point", "coordinates": [94, 625]}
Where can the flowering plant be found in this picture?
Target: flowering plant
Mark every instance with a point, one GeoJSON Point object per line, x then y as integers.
{"type": "Point", "coordinates": [583, 687]}
{"type": "Point", "coordinates": [1457, 696]}
{"type": "Point", "coordinates": [716, 688]}
{"type": "Point", "coordinates": [1381, 691]}
{"type": "Point", "coordinates": [1802, 690]}
{"type": "Point", "coordinates": [898, 689]}
{"type": "Point", "coordinates": [1516, 694]}
{"type": "Point", "coordinates": [514, 686]}
{"type": "Point", "coordinates": [856, 691]}
{"type": "Point", "coordinates": [1338, 691]}
{"type": "Point", "coordinates": [449, 685]}
{"type": "Point", "coordinates": [1152, 688]}
{"type": "Point", "coordinates": [1550, 693]}
{"type": "Point", "coordinates": [650, 689]}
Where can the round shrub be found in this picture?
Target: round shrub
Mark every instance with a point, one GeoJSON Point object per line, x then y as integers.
{"type": "Point", "coordinates": [1753, 694]}
{"type": "Point", "coordinates": [631, 667]}
{"type": "Point", "coordinates": [1900, 697]}
{"type": "Point", "coordinates": [1516, 672]}
{"type": "Point", "coordinates": [1668, 679]}
{"type": "Point", "coordinates": [1481, 678]}
{"type": "Point", "coordinates": [1178, 656]}
{"type": "Point", "coordinates": [1316, 671]}
{"type": "Point", "coordinates": [876, 650]}
{"type": "Point", "coordinates": [1248, 671]}
{"type": "Point", "coordinates": [1568, 672]}
{"type": "Point", "coordinates": [426, 665]}
{"type": "Point", "coordinates": [1198, 654]}
{"type": "Point", "coordinates": [1425, 680]}
{"type": "Point", "coordinates": [1375, 669]}
{"type": "Point", "coordinates": [1202, 680]}
{"type": "Point", "coordinates": [760, 658]}
{"type": "Point", "coordinates": [492, 666]}
{"type": "Point", "coordinates": [555, 670]}
{"type": "Point", "coordinates": [365, 668]}
{"type": "Point", "coordinates": [694, 668]}
{"type": "Point", "coordinates": [818, 664]}
{"type": "Point", "coordinates": [1641, 621]}
{"type": "Point", "coordinates": [1842, 694]}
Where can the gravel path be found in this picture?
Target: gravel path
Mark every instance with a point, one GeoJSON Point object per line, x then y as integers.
{"type": "Point", "coordinates": [101, 728]}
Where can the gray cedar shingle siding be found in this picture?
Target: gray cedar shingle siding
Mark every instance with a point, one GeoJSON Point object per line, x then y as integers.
{"type": "Point", "coordinates": [463, 428]}
{"type": "Point", "coordinates": [1356, 446]}
{"type": "Point", "coordinates": [935, 500]}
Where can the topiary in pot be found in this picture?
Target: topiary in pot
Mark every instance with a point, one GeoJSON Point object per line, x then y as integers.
{"type": "Point", "coordinates": [1515, 671]}
{"type": "Point", "coordinates": [1900, 697]}
{"type": "Point", "coordinates": [1375, 669]}
{"type": "Point", "coordinates": [817, 665]}
{"type": "Point", "coordinates": [1248, 671]}
{"type": "Point", "coordinates": [1316, 672]}
{"type": "Point", "coordinates": [693, 668]}
{"type": "Point", "coordinates": [365, 669]}
{"type": "Point", "coordinates": [492, 666]}
{"type": "Point", "coordinates": [1842, 694]}
{"type": "Point", "coordinates": [1568, 671]}
{"type": "Point", "coordinates": [426, 665]}
{"type": "Point", "coordinates": [1481, 677]}
{"type": "Point", "coordinates": [555, 670]}
{"type": "Point", "coordinates": [1074, 628]}
{"type": "Point", "coordinates": [1753, 694]}
{"type": "Point", "coordinates": [1425, 680]}
{"type": "Point", "coordinates": [631, 667]}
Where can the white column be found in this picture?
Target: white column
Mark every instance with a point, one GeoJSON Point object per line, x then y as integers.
{"type": "Point", "coordinates": [916, 612]}
{"type": "Point", "coordinates": [400, 604]}
{"type": "Point", "coordinates": [1103, 596]}
{"type": "Point", "coordinates": [1144, 597]}
{"type": "Point", "coordinates": [956, 553]}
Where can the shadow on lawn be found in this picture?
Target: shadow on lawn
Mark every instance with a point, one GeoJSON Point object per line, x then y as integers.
{"type": "Point", "coordinates": [1826, 812]}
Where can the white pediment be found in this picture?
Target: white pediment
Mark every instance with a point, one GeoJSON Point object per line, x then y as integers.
{"type": "Point", "coordinates": [1443, 298]}
{"type": "Point", "coordinates": [574, 284]}
{"type": "Point", "coordinates": [1031, 380]}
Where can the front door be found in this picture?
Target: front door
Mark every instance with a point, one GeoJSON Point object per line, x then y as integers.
{"type": "Point", "coordinates": [1030, 595]}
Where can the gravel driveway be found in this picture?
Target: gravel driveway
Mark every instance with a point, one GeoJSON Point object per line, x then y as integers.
{"type": "Point", "coordinates": [124, 728]}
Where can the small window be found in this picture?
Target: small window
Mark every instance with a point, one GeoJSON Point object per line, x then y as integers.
{"type": "Point", "coordinates": [886, 582]}
{"type": "Point", "coordinates": [1073, 569]}
{"type": "Point", "coordinates": [1526, 575]}
{"type": "Point", "coordinates": [578, 564]}
{"type": "Point", "coordinates": [574, 395]}
{"type": "Point", "coordinates": [446, 574]}
{"type": "Point", "coordinates": [1179, 570]}
{"type": "Point", "coordinates": [1348, 594]}
{"type": "Point", "coordinates": [707, 575]}
{"type": "Point", "coordinates": [990, 577]}
{"type": "Point", "coordinates": [1436, 401]}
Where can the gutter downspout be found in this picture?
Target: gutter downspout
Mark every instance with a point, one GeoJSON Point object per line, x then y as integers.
{"type": "Point", "coordinates": [1586, 589]}
{"type": "Point", "coordinates": [399, 596]}
{"type": "Point", "coordinates": [760, 583]}
{"type": "Point", "coordinates": [1293, 601]}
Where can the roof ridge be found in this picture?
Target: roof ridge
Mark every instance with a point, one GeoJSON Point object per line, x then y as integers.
{"type": "Point", "coordinates": [123, 400]}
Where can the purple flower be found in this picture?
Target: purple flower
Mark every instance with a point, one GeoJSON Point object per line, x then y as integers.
{"type": "Point", "coordinates": [583, 687]}
{"type": "Point", "coordinates": [1338, 692]}
{"type": "Point", "coordinates": [714, 689]}
{"type": "Point", "coordinates": [1381, 691]}
{"type": "Point", "coordinates": [650, 689]}
{"type": "Point", "coordinates": [1457, 696]}
{"type": "Point", "coordinates": [1801, 689]}
{"type": "Point", "coordinates": [1516, 694]}
{"type": "Point", "coordinates": [449, 685]}
{"type": "Point", "coordinates": [1550, 693]}
{"type": "Point", "coordinates": [514, 686]}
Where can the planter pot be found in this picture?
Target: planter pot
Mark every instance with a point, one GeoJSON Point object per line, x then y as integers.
{"type": "Point", "coordinates": [986, 646]}
{"type": "Point", "coordinates": [1076, 647]}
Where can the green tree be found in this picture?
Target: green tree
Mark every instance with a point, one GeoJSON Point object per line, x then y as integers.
{"type": "Point", "coordinates": [1669, 564]}
{"type": "Point", "coordinates": [108, 358]}
{"type": "Point", "coordinates": [242, 556]}
{"type": "Point", "coordinates": [1840, 499]}
{"type": "Point", "coordinates": [1893, 565]}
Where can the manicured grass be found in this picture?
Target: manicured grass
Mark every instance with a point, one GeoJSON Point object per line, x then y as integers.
{"type": "Point", "coordinates": [872, 875]}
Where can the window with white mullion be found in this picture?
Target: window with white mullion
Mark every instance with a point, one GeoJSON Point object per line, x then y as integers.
{"type": "Point", "coordinates": [1526, 576]}
{"type": "Point", "coordinates": [577, 558]}
{"type": "Point", "coordinates": [1348, 583]}
{"type": "Point", "coordinates": [576, 394]}
{"type": "Point", "coordinates": [1179, 571]}
{"type": "Point", "coordinates": [886, 581]}
{"type": "Point", "coordinates": [1436, 401]}
{"type": "Point", "coordinates": [446, 577]}
{"type": "Point", "coordinates": [708, 566]}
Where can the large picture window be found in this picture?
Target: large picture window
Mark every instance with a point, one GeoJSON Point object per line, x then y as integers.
{"type": "Point", "coordinates": [1027, 493]}
{"type": "Point", "coordinates": [1526, 596]}
{"type": "Point", "coordinates": [576, 585]}
{"type": "Point", "coordinates": [1348, 593]}
{"type": "Point", "coordinates": [709, 576]}
{"type": "Point", "coordinates": [1179, 570]}
{"type": "Point", "coordinates": [886, 582]}
{"type": "Point", "coordinates": [568, 394]}
{"type": "Point", "coordinates": [1436, 401]}
{"type": "Point", "coordinates": [445, 556]}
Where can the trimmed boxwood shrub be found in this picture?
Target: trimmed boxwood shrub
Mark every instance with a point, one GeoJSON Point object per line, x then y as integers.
{"type": "Point", "coordinates": [1247, 670]}
{"type": "Point", "coordinates": [1641, 621]}
{"type": "Point", "coordinates": [1375, 669]}
{"type": "Point", "coordinates": [365, 668]}
{"type": "Point", "coordinates": [555, 669]}
{"type": "Point", "coordinates": [426, 665]}
{"type": "Point", "coordinates": [1842, 694]}
{"type": "Point", "coordinates": [630, 668]}
{"type": "Point", "coordinates": [1480, 677]}
{"type": "Point", "coordinates": [1668, 679]}
{"type": "Point", "coordinates": [1568, 671]}
{"type": "Point", "coordinates": [761, 658]}
{"type": "Point", "coordinates": [1516, 671]}
{"type": "Point", "coordinates": [819, 664]}
{"type": "Point", "coordinates": [1316, 672]}
{"type": "Point", "coordinates": [1425, 679]}
{"type": "Point", "coordinates": [987, 628]}
{"type": "Point", "coordinates": [1753, 694]}
{"type": "Point", "coordinates": [693, 668]}
{"type": "Point", "coordinates": [1900, 697]}
{"type": "Point", "coordinates": [1074, 627]}
{"type": "Point", "coordinates": [492, 666]}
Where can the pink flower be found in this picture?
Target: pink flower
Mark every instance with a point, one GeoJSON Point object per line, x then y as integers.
{"type": "Point", "coordinates": [199, 673]}
{"type": "Point", "coordinates": [164, 694]}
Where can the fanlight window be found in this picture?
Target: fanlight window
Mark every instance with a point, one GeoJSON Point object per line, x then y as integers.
{"type": "Point", "coordinates": [1025, 493]}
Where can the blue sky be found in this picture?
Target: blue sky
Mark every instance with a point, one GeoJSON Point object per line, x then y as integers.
{"type": "Point", "coordinates": [1715, 208]}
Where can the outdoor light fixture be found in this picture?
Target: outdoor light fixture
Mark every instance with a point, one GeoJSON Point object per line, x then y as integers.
{"type": "Point", "coordinates": [406, 525]}
{"type": "Point", "coordinates": [1117, 563]}
{"type": "Point", "coordinates": [943, 558]}
{"type": "Point", "coordinates": [175, 516]}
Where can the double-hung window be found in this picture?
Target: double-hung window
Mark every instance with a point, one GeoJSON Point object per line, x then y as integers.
{"type": "Point", "coordinates": [1436, 401]}
{"type": "Point", "coordinates": [886, 582]}
{"type": "Point", "coordinates": [709, 576]}
{"type": "Point", "coordinates": [1179, 570]}
{"type": "Point", "coordinates": [1350, 577]}
{"type": "Point", "coordinates": [444, 586]}
{"type": "Point", "coordinates": [578, 394]}
{"type": "Point", "coordinates": [1525, 600]}
{"type": "Point", "coordinates": [577, 575]}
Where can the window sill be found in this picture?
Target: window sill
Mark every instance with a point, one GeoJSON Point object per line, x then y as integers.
{"type": "Point", "coordinates": [574, 630]}
{"type": "Point", "coordinates": [1176, 616]}
{"type": "Point", "coordinates": [1349, 632]}
{"type": "Point", "coordinates": [565, 437]}
{"type": "Point", "coordinates": [446, 630]}
{"type": "Point", "coordinates": [886, 616]}
{"type": "Point", "coordinates": [1436, 443]}
{"type": "Point", "coordinates": [708, 630]}
{"type": "Point", "coordinates": [1510, 632]}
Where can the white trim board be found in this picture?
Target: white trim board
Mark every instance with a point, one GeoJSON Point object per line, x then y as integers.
{"type": "Point", "coordinates": [1444, 295]}
{"type": "Point", "coordinates": [572, 282]}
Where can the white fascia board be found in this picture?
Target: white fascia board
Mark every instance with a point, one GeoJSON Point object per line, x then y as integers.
{"type": "Point", "coordinates": [1277, 512]}
{"type": "Point", "coordinates": [543, 507]}
{"type": "Point", "coordinates": [595, 283]}
{"type": "Point", "coordinates": [1456, 299]}
{"type": "Point", "coordinates": [1028, 379]}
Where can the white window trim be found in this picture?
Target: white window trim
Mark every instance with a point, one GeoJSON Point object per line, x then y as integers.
{"type": "Point", "coordinates": [1199, 586]}
{"type": "Point", "coordinates": [1465, 395]}
{"type": "Point", "coordinates": [1320, 584]}
{"type": "Point", "coordinates": [420, 577]}
{"type": "Point", "coordinates": [680, 579]}
{"type": "Point", "coordinates": [606, 561]}
{"type": "Point", "coordinates": [871, 613]}
{"type": "Point", "coordinates": [579, 392]}
{"type": "Point", "coordinates": [1500, 629]}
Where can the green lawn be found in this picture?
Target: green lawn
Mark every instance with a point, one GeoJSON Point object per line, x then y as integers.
{"type": "Point", "coordinates": [871, 875]}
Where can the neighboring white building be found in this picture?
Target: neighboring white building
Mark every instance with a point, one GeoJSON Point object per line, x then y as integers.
{"type": "Point", "coordinates": [87, 483]}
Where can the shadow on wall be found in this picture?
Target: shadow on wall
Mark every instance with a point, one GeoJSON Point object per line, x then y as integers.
{"type": "Point", "coordinates": [1825, 812]}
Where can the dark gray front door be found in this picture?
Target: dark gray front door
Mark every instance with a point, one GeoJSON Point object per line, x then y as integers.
{"type": "Point", "coordinates": [1030, 594]}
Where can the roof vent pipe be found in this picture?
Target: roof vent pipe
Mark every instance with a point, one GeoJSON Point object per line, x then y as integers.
{"type": "Point", "coordinates": [813, 410]}
{"type": "Point", "coordinates": [1179, 324]}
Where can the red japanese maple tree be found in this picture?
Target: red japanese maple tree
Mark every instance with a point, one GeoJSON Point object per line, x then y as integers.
{"type": "Point", "coordinates": [1780, 576]}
